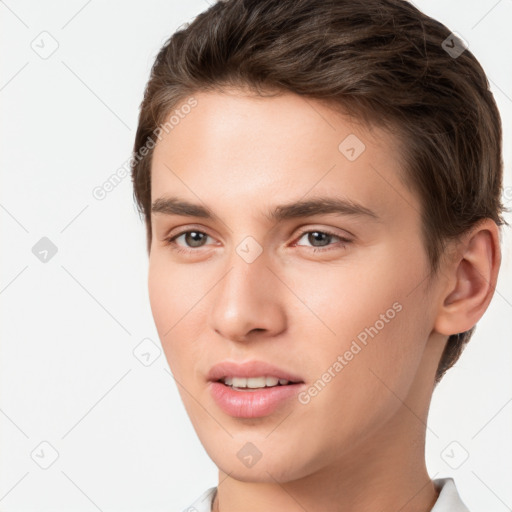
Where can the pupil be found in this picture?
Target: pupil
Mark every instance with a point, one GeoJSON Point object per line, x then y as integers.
{"type": "Point", "coordinates": [191, 238]}
{"type": "Point", "coordinates": [314, 236]}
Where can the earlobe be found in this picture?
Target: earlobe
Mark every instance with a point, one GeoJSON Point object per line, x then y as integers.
{"type": "Point", "coordinates": [475, 273]}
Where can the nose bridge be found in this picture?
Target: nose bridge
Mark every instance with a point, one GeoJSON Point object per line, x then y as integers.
{"type": "Point", "coordinates": [246, 298]}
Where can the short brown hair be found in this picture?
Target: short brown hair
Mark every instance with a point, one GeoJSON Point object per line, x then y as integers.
{"type": "Point", "coordinates": [380, 61]}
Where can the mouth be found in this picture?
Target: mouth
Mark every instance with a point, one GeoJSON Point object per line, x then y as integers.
{"type": "Point", "coordinates": [252, 389]}
{"type": "Point", "coordinates": [252, 374]}
{"type": "Point", "coordinates": [255, 383]}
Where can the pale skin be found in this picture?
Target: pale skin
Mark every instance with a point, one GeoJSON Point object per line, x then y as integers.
{"type": "Point", "coordinates": [358, 444]}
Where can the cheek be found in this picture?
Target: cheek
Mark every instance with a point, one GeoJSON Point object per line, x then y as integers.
{"type": "Point", "coordinates": [168, 299]}
{"type": "Point", "coordinates": [172, 291]}
{"type": "Point", "coordinates": [360, 372]}
{"type": "Point", "coordinates": [371, 315]}
{"type": "Point", "coordinates": [178, 301]}
{"type": "Point", "coordinates": [161, 294]}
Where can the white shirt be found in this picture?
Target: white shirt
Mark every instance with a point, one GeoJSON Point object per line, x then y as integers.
{"type": "Point", "coordinates": [448, 500]}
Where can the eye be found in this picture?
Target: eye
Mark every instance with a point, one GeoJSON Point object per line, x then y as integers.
{"type": "Point", "coordinates": [193, 238]}
{"type": "Point", "coordinates": [320, 239]}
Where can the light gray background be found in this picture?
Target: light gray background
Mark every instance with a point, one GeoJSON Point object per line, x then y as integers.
{"type": "Point", "coordinates": [69, 376]}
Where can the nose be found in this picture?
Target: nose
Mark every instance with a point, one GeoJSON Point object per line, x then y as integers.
{"type": "Point", "coordinates": [248, 300]}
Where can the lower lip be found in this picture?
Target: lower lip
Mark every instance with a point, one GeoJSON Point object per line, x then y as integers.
{"type": "Point", "coordinates": [252, 404]}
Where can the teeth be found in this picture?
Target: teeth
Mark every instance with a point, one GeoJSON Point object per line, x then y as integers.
{"type": "Point", "coordinates": [253, 382]}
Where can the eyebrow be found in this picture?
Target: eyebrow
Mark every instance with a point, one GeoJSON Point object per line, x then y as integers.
{"type": "Point", "coordinates": [304, 208]}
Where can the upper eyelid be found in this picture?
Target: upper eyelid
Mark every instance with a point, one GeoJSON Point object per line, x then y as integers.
{"type": "Point", "coordinates": [187, 230]}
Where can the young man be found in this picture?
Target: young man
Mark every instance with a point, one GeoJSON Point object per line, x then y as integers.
{"type": "Point", "coordinates": [320, 183]}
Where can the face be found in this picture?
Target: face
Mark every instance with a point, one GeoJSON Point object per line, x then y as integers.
{"type": "Point", "coordinates": [332, 292]}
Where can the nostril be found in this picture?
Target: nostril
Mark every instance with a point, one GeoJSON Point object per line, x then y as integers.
{"type": "Point", "coordinates": [256, 329]}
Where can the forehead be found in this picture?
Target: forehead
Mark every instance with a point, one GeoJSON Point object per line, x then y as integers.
{"type": "Point", "coordinates": [238, 149]}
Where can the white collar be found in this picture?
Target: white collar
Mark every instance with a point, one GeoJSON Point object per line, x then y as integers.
{"type": "Point", "coordinates": [448, 500]}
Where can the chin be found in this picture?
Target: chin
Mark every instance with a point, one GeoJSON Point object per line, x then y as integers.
{"type": "Point", "coordinates": [273, 466]}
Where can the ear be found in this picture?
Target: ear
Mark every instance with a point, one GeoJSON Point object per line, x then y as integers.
{"type": "Point", "coordinates": [471, 278]}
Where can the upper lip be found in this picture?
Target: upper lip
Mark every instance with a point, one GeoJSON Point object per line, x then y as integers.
{"type": "Point", "coordinates": [249, 369]}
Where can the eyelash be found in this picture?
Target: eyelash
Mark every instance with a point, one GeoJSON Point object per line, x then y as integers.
{"type": "Point", "coordinates": [175, 247]}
